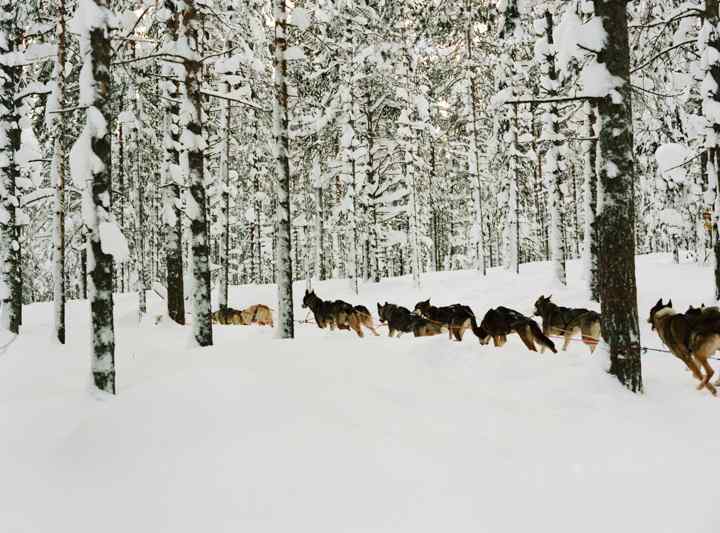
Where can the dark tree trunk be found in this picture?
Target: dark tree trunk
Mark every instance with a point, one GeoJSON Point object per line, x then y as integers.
{"type": "Point", "coordinates": [618, 292]}
{"type": "Point", "coordinates": [173, 227]}
{"type": "Point", "coordinates": [100, 263]}
{"type": "Point", "coordinates": [10, 261]}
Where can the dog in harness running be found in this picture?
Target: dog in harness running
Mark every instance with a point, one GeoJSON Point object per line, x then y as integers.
{"type": "Point", "coordinates": [457, 318]}
{"type": "Point", "coordinates": [498, 323]}
{"type": "Point", "coordinates": [566, 321]}
{"type": "Point", "coordinates": [338, 313]}
{"type": "Point", "coordinates": [692, 337]}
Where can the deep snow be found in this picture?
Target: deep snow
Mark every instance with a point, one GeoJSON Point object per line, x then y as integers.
{"type": "Point", "coordinates": [331, 433]}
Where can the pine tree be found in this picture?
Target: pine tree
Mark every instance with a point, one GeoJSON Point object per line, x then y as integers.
{"type": "Point", "coordinates": [91, 166]}
{"type": "Point", "coordinates": [618, 291]}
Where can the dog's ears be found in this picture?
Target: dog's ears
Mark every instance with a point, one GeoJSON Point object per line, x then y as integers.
{"type": "Point", "coordinates": [669, 303]}
{"type": "Point", "coordinates": [659, 303]}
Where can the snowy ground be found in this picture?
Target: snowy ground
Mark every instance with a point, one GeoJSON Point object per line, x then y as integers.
{"type": "Point", "coordinates": [330, 433]}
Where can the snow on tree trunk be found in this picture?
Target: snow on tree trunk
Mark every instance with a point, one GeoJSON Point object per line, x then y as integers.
{"type": "Point", "coordinates": [618, 291]}
{"type": "Point", "coordinates": [710, 41]}
{"type": "Point", "coordinates": [554, 167]}
{"type": "Point", "coordinates": [193, 142]}
{"type": "Point", "coordinates": [140, 227]}
{"type": "Point", "coordinates": [90, 161]}
{"type": "Point", "coordinates": [224, 219]}
{"type": "Point", "coordinates": [285, 322]}
{"type": "Point", "coordinates": [172, 178]}
{"type": "Point", "coordinates": [10, 274]}
{"type": "Point", "coordinates": [590, 247]}
{"type": "Point", "coordinates": [58, 172]}
{"type": "Point", "coordinates": [473, 157]}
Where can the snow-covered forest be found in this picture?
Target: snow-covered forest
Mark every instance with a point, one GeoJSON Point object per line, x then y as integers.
{"type": "Point", "coordinates": [163, 162]}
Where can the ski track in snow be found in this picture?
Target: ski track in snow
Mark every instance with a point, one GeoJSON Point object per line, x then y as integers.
{"type": "Point", "coordinates": [331, 433]}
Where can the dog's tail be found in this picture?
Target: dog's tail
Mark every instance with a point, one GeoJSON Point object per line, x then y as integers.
{"type": "Point", "coordinates": [540, 336]}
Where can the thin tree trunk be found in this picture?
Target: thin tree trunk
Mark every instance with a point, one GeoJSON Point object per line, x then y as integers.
{"type": "Point", "coordinates": [172, 221]}
{"type": "Point", "coordinates": [590, 196]}
{"type": "Point", "coordinates": [59, 171]}
{"type": "Point", "coordinates": [286, 325]}
{"type": "Point", "coordinates": [10, 262]}
{"type": "Point", "coordinates": [225, 201]}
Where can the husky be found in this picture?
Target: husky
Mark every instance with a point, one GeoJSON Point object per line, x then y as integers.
{"type": "Point", "coordinates": [692, 337]}
{"type": "Point", "coordinates": [255, 314]}
{"type": "Point", "coordinates": [338, 314]}
{"type": "Point", "coordinates": [456, 318]}
{"type": "Point", "coordinates": [567, 321]}
{"type": "Point", "coordinates": [401, 320]}
{"type": "Point", "coordinates": [227, 316]}
{"type": "Point", "coordinates": [498, 323]}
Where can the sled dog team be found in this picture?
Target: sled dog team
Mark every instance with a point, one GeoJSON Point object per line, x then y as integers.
{"type": "Point", "coordinates": [693, 336]}
{"type": "Point", "coordinates": [427, 320]}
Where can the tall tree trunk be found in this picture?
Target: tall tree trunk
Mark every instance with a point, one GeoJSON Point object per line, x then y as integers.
{"type": "Point", "coordinates": [225, 199]}
{"type": "Point", "coordinates": [618, 292]}
{"type": "Point", "coordinates": [172, 178]}
{"type": "Point", "coordinates": [553, 158]}
{"type": "Point", "coordinates": [590, 248]}
{"type": "Point", "coordinates": [10, 266]}
{"type": "Point", "coordinates": [286, 325]}
{"type": "Point", "coordinates": [194, 144]}
{"type": "Point", "coordinates": [140, 259]}
{"type": "Point", "coordinates": [95, 51]}
{"type": "Point", "coordinates": [58, 179]}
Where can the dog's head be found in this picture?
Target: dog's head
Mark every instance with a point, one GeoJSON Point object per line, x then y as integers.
{"type": "Point", "coordinates": [308, 298]}
{"type": "Point", "coordinates": [382, 310]}
{"type": "Point", "coordinates": [482, 334]}
{"type": "Point", "coordinates": [659, 306]}
{"type": "Point", "coordinates": [695, 311]}
{"type": "Point", "coordinates": [540, 305]}
{"type": "Point", "coordinates": [421, 308]}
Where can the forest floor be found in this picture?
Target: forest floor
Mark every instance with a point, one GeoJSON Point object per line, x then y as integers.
{"type": "Point", "coordinates": [331, 433]}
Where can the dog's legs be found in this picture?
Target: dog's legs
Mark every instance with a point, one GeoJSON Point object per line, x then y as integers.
{"type": "Point", "coordinates": [526, 336]}
{"type": "Point", "coordinates": [371, 327]}
{"type": "Point", "coordinates": [546, 332]}
{"type": "Point", "coordinates": [568, 337]}
{"type": "Point", "coordinates": [391, 332]}
{"type": "Point", "coordinates": [705, 383]}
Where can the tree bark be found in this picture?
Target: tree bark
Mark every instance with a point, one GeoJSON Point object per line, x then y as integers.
{"type": "Point", "coordinates": [590, 195]}
{"type": "Point", "coordinates": [96, 50]}
{"type": "Point", "coordinates": [10, 266]}
{"type": "Point", "coordinates": [59, 172]}
{"type": "Point", "coordinates": [618, 292]}
{"type": "Point", "coordinates": [285, 323]}
{"type": "Point", "coordinates": [172, 221]}
{"type": "Point", "coordinates": [194, 144]}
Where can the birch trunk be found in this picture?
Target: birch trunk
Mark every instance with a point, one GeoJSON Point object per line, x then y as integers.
{"type": "Point", "coordinates": [285, 322]}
